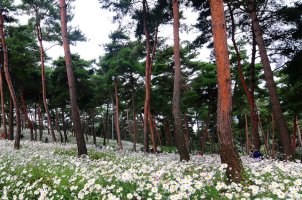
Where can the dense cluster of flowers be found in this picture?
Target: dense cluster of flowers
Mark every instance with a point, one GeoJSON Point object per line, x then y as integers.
{"type": "Point", "coordinates": [52, 171]}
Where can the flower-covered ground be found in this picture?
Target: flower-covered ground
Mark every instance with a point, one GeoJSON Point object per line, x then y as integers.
{"type": "Point", "coordinates": [53, 171]}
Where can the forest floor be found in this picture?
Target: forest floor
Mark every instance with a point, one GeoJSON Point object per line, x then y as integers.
{"type": "Point", "coordinates": [53, 171]}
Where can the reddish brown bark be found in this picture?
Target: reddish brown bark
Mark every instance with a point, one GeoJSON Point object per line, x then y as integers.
{"type": "Point", "coordinates": [249, 95]}
{"type": "Point", "coordinates": [228, 151]}
{"type": "Point", "coordinates": [117, 125]}
{"type": "Point", "coordinates": [40, 39]}
{"type": "Point", "coordinates": [147, 79]}
{"type": "Point", "coordinates": [81, 144]}
{"type": "Point", "coordinates": [178, 130]}
{"type": "Point", "coordinates": [3, 106]}
{"type": "Point", "coordinates": [9, 82]}
{"type": "Point", "coordinates": [153, 137]}
{"type": "Point", "coordinates": [269, 78]}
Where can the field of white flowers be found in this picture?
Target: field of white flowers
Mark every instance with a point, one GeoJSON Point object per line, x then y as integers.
{"type": "Point", "coordinates": [53, 171]}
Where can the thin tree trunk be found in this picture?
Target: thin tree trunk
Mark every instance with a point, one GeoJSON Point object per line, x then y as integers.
{"type": "Point", "coordinates": [35, 127]}
{"type": "Point", "coordinates": [30, 124]}
{"type": "Point", "coordinates": [93, 127]}
{"type": "Point", "coordinates": [247, 141]}
{"type": "Point", "coordinates": [64, 125]}
{"type": "Point", "coordinates": [157, 136]}
{"type": "Point", "coordinates": [134, 124]}
{"type": "Point", "coordinates": [186, 132]}
{"type": "Point", "coordinates": [117, 125]}
{"type": "Point", "coordinates": [9, 82]}
{"type": "Point", "coordinates": [10, 120]}
{"type": "Point", "coordinates": [205, 135]}
{"type": "Point", "coordinates": [3, 106]}
{"type": "Point", "coordinates": [273, 139]}
{"type": "Point", "coordinates": [106, 134]}
{"type": "Point", "coordinates": [58, 126]}
{"type": "Point", "coordinates": [147, 79]}
{"type": "Point", "coordinates": [294, 135]}
{"type": "Point", "coordinates": [178, 130]}
{"type": "Point", "coordinates": [40, 39]}
{"type": "Point", "coordinates": [255, 132]}
{"type": "Point", "coordinates": [228, 151]}
{"type": "Point", "coordinates": [276, 107]}
{"type": "Point", "coordinates": [81, 144]}
{"type": "Point", "coordinates": [299, 133]}
{"type": "Point", "coordinates": [40, 121]}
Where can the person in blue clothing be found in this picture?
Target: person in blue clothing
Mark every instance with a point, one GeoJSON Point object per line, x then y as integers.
{"type": "Point", "coordinates": [257, 154]}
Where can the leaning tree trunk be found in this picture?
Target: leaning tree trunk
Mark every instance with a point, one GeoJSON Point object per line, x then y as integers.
{"type": "Point", "coordinates": [3, 106]}
{"type": "Point", "coordinates": [117, 125]}
{"type": "Point", "coordinates": [81, 144]}
{"type": "Point", "coordinates": [247, 91]}
{"type": "Point", "coordinates": [9, 82]}
{"type": "Point", "coordinates": [39, 34]}
{"type": "Point", "coordinates": [178, 130]}
{"type": "Point", "coordinates": [269, 78]}
{"type": "Point", "coordinates": [228, 151]}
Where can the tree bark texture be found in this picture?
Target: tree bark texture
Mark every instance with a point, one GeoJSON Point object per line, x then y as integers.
{"type": "Point", "coordinates": [270, 83]}
{"type": "Point", "coordinates": [81, 144]}
{"type": "Point", "coordinates": [9, 82]}
{"type": "Point", "coordinates": [147, 79]}
{"type": "Point", "coordinates": [178, 130]}
{"type": "Point", "coordinates": [40, 39]}
{"type": "Point", "coordinates": [228, 151]}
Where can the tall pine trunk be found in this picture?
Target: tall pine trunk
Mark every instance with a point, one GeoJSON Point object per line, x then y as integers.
{"type": "Point", "coordinates": [269, 78]}
{"type": "Point", "coordinates": [147, 79]}
{"type": "Point", "coordinates": [117, 124]}
{"type": "Point", "coordinates": [39, 35]}
{"type": "Point", "coordinates": [9, 82]}
{"type": "Point", "coordinates": [228, 151]}
{"type": "Point", "coordinates": [81, 144]}
{"type": "Point", "coordinates": [178, 130]}
{"type": "Point", "coordinates": [3, 106]}
{"type": "Point", "coordinates": [10, 120]}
